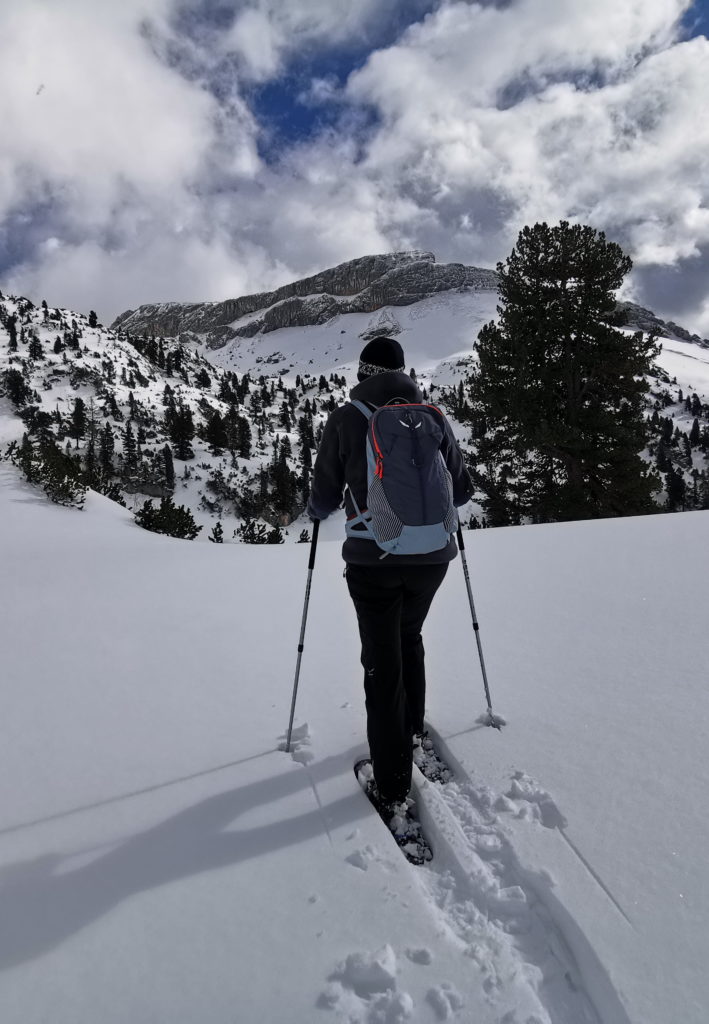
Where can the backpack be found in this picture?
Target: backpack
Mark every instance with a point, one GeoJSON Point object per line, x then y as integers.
{"type": "Point", "coordinates": [410, 508]}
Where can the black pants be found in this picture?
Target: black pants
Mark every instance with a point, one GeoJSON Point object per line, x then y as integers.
{"type": "Point", "coordinates": [392, 603]}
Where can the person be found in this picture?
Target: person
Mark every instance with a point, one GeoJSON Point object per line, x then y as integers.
{"type": "Point", "coordinates": [392, 595]}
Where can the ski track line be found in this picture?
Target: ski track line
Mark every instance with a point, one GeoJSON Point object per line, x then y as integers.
{"type": "Point", "coordinates": [507, 918]}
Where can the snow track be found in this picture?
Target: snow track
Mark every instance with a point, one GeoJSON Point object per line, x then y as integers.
{"type": "Point", "coordinates": [507, 920]}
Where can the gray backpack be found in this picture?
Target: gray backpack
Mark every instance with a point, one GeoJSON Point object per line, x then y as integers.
{"type": "Point", "coordinates": [410, 508]}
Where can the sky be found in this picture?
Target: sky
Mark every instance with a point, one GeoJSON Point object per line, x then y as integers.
{"type": "Point", "coordinates": [161, 150]}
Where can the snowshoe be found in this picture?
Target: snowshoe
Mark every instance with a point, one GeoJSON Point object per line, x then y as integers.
{"type": "Point", "coordinates": [427, 760]}
{"type": "Point", "coordinates": [399, 817]}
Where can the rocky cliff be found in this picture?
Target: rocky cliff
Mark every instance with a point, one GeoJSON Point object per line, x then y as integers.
{"type": "Point", "coordinates": [359, 286]}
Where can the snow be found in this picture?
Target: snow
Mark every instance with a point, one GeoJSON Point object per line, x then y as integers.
{"type": "Point", "coordinates": [438, 330]}
{"type": "Point", "coordinates": [163, 859]}
{"type": "Point", "coordinates": [687, 362]}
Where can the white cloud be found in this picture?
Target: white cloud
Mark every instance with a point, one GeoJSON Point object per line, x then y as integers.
{"type": "Point", "coordinates": [88, 276]}
{"type": "Point", "coordinates": [266, 31]}
{"type": "Point", "coordinates": [85, 105]}
{"type": "Point", "coordinates": [484, 118]}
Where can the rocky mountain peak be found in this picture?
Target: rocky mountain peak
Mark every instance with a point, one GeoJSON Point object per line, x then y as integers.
{"type": "Point", "coordinates": [362, 285]}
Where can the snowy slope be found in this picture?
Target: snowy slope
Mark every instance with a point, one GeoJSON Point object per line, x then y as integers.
{"type": "Point", "coordinates": [437, 335]}
{"type": "Point", "coordinates": [162, 860]}
{"type": "Point", "coordinates": [439, 329]}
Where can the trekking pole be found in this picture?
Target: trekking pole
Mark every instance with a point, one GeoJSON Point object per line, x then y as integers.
{"type": "Point", "coordinates": [494, 720]}
{"type": "Point", "coordinates": [311, 566]}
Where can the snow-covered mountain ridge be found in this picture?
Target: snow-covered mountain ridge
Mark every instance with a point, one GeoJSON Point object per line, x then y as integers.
{"type": "Point", "coordinates": [359, 286]}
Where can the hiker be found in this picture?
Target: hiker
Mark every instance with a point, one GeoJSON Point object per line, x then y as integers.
{"type": "Point", "coordinates": [392, 593]}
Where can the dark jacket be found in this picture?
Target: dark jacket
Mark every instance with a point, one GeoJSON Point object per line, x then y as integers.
{"type": "Point", "coordinates": [341, 463]}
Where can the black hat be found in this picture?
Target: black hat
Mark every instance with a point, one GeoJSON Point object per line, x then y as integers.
{"type": "Point", "coordinates": [379, 356]}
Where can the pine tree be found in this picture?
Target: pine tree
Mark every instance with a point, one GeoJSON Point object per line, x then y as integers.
{"type": "Point", "coordinates": [251, 532]}
{"type": "Point", "coordinates": [217, 534]}
{"type": "Point", "coordinates": [562, 393]}
{"type": "Point", "coordinates": [168, 467]}
{"type": "Point", "coordinates": [78, 420]}
{"type": "Point", "coordinates": [168, 518]}
{"type": "Point", "coordinates": [25, 459]}
{"type": "Point", "coordinates": [12, 331]}
{"type": "Point", "coordinates": [130, 451]}
{"type": "Point", "coordinates": [244, 438]}
{"type": "Point", "coordinates": [106, 449]}
{"type": "Point", "coordinates": [216, 435]}
{"type": "Point", "coordinates": [57, 472]}
{"type": "Point", "coordinates": [16, 388]}
{"type": "Point", "coordinates": [704, 491]}
{"type": "Point", "coordinates": [676, 490]}
{"type": "Point", "coordinates": [182, 431]}
{"type": "Point", "coordinates": [90, 456]}
{"type": "Point", "coordinates": [93, 319]}
{"type": "Point", "coordinates": [35, 349]}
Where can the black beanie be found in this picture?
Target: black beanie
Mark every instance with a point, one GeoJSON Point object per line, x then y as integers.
{"type": "Point", "coordinates": [380, 355]}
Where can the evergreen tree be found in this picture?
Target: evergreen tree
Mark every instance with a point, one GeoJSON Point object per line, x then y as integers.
{"type": "Point", "coordinates": [35, 349]}
{"type": "Point", "coordinates": [90, 455]}
{"type": "Point", "coordinates": [57, 472]}
{"type": "Point", "coordinates": [562, 392]}
{"type": "Point", "coordinates": [78, 420]}
{"type": "Point", "coordinates": [16, 388]}
{"type": "Point", "coordinates": [217, 534]}
{"type": "Point", "coordinates": [676, 490]}
{"type": "Point", "coordinates": [244, 438]}
{"type": "Point", "coordinates": [704, 491]}
{"type": "Point", "coordinates": [93, 319]}
{"type": "Point", "coordinates": [106, 448]}
{"type": "Point", "coordinates": [216, 435]}
{"type": "Point", "coordinates": [130, 451]}
{"type": "Point", "coordinates": [182, 432]}
{"type": "Point", "coordinates": [25, 459]}
{"type": "Point", "coordinates": [168, 467]}
{"type": "Point", "coordinates": [12, 331]}
{"type": "Point", "coordinates": [168, 518]}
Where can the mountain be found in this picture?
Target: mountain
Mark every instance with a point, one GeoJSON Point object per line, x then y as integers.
{"type": "Point", "coordinates": [249, 412]}
{"type": "Point", "coordinates": [358, 286]}
{"type": "Point", "coordinates": [362, 285]}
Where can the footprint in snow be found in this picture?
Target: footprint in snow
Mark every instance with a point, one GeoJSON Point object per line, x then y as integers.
{"type": "Point", "coordinates": [526, 798]}
{"type": "Point", "coordinates": [364, 988]}
{"type": "Point", "coordinates": [445, 1000]}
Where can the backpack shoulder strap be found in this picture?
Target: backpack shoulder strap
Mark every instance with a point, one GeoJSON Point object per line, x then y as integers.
{"type": "Point", "coordinates": [364, 409]}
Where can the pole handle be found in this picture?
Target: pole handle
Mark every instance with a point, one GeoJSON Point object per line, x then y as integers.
{"type": "Point", "coordinates": [314, 543]}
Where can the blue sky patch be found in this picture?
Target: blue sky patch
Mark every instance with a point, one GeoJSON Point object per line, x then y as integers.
{"type": "Point", "coordinates": [696, 20]}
